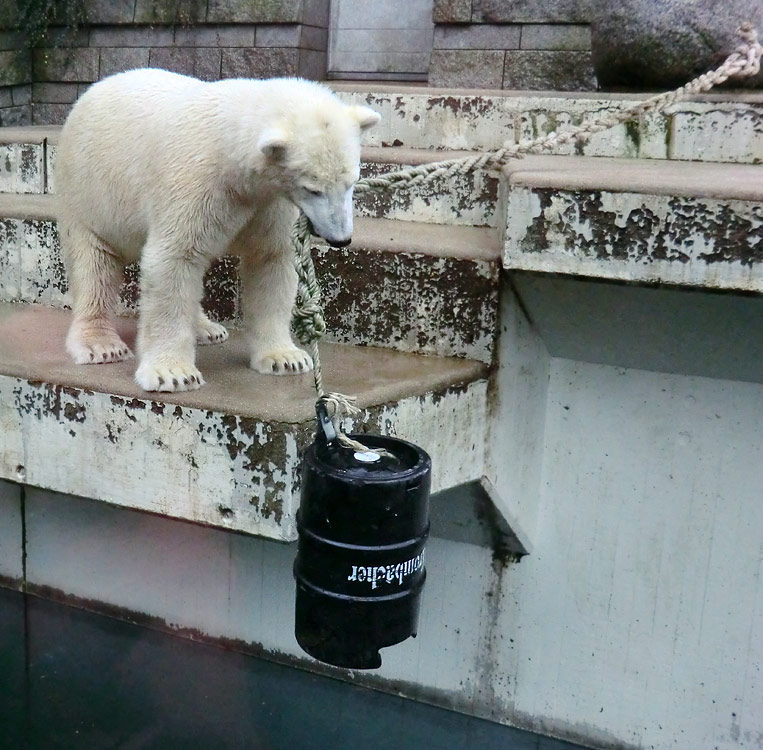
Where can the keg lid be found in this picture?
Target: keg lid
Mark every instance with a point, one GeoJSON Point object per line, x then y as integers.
{"type": "Point", "coordinates": [384, 458]}
{"type": "Point", "coordinates": [394, 458]}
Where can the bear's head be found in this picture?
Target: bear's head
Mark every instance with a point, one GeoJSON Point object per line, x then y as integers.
{"type": "Point", "coordinates": [318, 159]}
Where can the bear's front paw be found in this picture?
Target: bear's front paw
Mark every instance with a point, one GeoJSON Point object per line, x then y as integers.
{"type": "Point", "coordinates": [171, 379]}
{"type": "Point", "coordinates": [290, 361]}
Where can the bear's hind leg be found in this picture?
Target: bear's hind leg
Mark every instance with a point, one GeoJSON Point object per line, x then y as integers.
{"type": "Point", "coordinates": [209, 332]}
{"type": "Point", "coordinates": [94, 274]}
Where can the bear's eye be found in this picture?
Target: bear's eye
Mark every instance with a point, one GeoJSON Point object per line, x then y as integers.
{"type": "Point", "coordinates": [316, 193]}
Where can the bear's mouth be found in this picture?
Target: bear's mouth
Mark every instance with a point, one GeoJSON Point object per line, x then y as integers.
{"type": "Point", "coordinates": [332, 243]}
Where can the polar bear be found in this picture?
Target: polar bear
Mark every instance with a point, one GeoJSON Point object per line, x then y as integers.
{"type": "Point", "coordinates": [174, 172]}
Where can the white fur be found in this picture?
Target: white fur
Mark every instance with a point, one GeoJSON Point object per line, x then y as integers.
{"type": "Point", "coordinates": [176, 172]}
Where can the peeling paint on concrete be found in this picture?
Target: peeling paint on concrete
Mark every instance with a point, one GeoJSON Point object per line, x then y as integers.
{"type": "Point", "coordinates": [450, 427]}
{"type": "Point", "coordinates": [412, 302]}
{"type": "Point", "coordinates": [21, 168]}
{"type": "Point", "coordinates": [637, 237]}
{"type": "Point", "coordinates": [546, 116]}
{"type": "Point", "coordinates": [30, 263]}
{"type": "Point", "coordinates": [688, 130]}
{"type": "Point", "coordinates": [438, 121]}
{"type": "Point", "coordinates": [466, 199]}
{"type": "Point", "coordinates": [208, 467]}
{"type": "Point", "coordinates": [10, 260]}
{"type": "Point", "coordinates": [726, 133]}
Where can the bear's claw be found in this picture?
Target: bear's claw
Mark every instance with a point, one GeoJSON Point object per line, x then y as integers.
{"type": "Point", "coordinates": [208, 332]}
{"type": "Point", "coordinates": [283, 362]}
{"type": "Point", "coordinates": [97, 349]}
{"type": "Point", "coordinates": [174, 379]}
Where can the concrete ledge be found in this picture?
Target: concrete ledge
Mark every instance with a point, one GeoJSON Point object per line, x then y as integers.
{"type": "Point", "coordinates": [228, 454]}
{"type": "Point", "coordinates": [700, 226]}
{"type": "Point", "coordinates": [29, 134]}
{"type": "Point", "coordinates": [439, 241]}
{"type": "Point", "coordinates": [740, 96]}
{"type": "Point", "coordinates": [651, 176]}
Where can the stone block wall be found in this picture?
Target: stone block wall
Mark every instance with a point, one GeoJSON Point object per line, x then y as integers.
{"type": "Point", "coordinates": [209, 39]}
{"type": "Point", "coordinates": [15, 74]}
{"type": "Point", "coordinates": [512, 44]}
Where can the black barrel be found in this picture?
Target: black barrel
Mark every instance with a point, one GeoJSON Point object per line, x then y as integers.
{"type": "Point", "coordinates": [363, 522]}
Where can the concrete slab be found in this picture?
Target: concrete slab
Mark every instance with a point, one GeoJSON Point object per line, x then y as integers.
{"type": "Point", "coordinates": [32, 348]}
{"type": "Point", "coordinates": [30, 134]}
{"type": "Point", "coordinates": [699, 226]}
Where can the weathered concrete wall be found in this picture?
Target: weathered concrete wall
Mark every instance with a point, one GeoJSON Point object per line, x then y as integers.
{"type": "Point", "coordinates": [15, 73]}
{"type": "Point", "coordinates": [637, 237]}
{"type": "Point", "coordinates": [638, 620]}
{"type": "Point", "coordinates": [517, 407]}
{"type": "Point", "coordinates": [717, 128]}
{"type": "Point", "coordinates": [209, 39]}
{"type": "Point", "coordinates": [181, 454]}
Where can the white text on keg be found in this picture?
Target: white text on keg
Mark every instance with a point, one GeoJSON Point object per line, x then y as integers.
{"type": "Point", "coordinates": [386, 573]}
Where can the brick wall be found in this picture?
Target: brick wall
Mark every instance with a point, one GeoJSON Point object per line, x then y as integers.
{"type": "Point", "coordinates": [209, 39]}
{"type": "Point", "coordinates": [512, 44]}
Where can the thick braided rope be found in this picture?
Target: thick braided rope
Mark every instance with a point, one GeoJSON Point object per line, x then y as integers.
{"type": "Point", "coordinates": [309, 324]}
{"type": "Point", "coordinates": [308, 321]}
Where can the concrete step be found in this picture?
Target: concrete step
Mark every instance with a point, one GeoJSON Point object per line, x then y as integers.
{"type": "Point", "coordinates": [714, 127]}
{"type": "Point", "coordinates": [410, 286]}
{"type": "Point", "coordinates": [27, 166]}
{"type": "Point", "coordinates": [700, 225]}
{"type": "Point", "coordinates": [228, 454]}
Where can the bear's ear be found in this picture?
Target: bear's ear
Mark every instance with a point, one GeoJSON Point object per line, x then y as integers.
{"type": "Point", "coordinates": [273, 142]}
{"type": "Point", "coordinates": [365, 116]}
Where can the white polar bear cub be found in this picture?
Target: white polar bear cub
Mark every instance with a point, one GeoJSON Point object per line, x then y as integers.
{"type": "Point", "coordinates": [176, 172]}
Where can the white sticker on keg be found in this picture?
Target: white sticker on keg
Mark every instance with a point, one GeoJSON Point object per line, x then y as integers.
{"type": "Point", "coordinates": [367, 457]}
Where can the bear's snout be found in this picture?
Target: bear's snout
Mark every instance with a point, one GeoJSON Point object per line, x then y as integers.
{"type": "Point", "coordinates": [340, 243]}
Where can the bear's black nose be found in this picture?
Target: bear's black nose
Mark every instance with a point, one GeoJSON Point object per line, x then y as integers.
{"type": "Point", "coordinates": [340, 243]}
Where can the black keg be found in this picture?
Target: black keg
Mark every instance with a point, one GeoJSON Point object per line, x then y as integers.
{"type": "Point", "coordinates": [363, 522]}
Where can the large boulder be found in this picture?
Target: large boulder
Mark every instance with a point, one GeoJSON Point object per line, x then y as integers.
{"type": "Point", "coordinates": [644, 44]}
